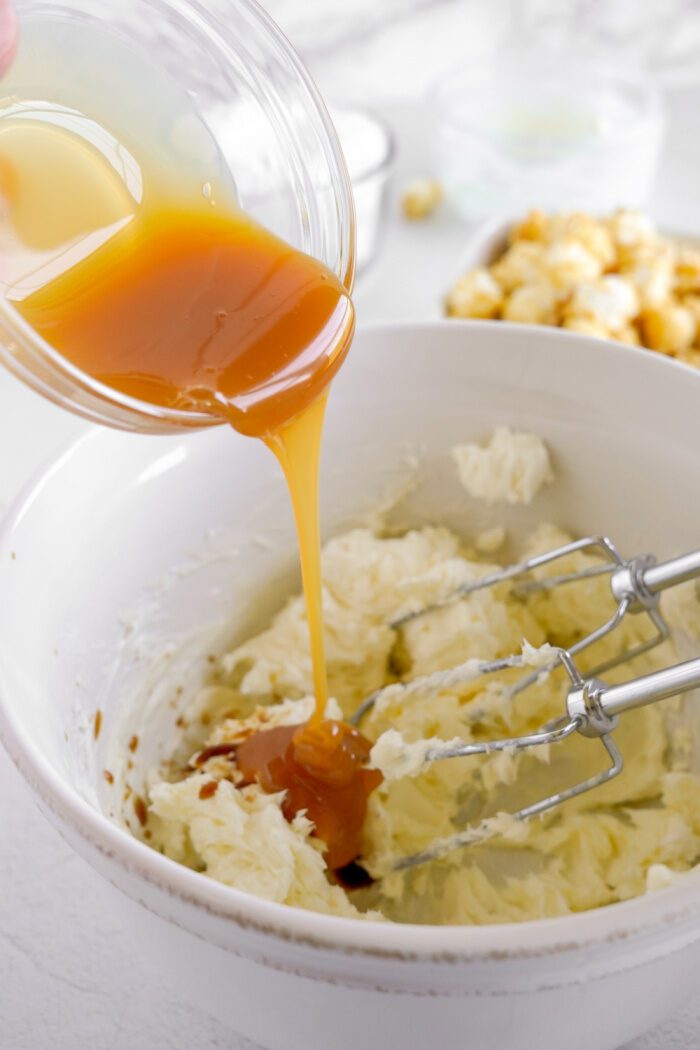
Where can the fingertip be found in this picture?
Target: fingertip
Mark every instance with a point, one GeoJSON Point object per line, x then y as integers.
{"type": "Point", "coordinates": [9, 35]}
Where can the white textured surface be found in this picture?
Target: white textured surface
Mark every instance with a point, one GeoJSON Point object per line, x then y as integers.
{"type": "Point", "coordinates": [69, 976]}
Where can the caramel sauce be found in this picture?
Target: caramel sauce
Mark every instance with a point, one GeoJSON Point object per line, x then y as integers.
{"type": "Point", "coordinates": [215, 751]}
{"type": "Point", "coordinates": [321, 765]}
{"type": "Point", "coordinates": [141, 811]}
{"type": "Point", "coordinates": [297, 446]}
{"type": "Point", "coordinates": [209, 789]}
{"type": "Point", "coordinates": [187, 305]}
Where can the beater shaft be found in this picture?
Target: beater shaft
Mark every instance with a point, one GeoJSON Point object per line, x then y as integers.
{"type": "Point", "coordinates": [666, 574]}
{"type": "Point", "coordinates": [612, 700]}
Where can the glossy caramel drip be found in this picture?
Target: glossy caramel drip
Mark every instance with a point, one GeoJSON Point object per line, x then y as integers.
{"type": "Point", "coordinates": [298, 449]}
{"type": "Point", "coordinates": [322, 767]}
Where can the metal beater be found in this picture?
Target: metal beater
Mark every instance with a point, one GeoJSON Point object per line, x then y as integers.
{"type": "Point", "coordinates": [592, 707]}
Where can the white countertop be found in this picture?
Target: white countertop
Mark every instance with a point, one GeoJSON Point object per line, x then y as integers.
{"type": "Point", "coordinates": [69, 976]}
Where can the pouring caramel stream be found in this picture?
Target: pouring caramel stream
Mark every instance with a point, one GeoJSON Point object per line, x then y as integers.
{"type": "Point", "coordinates": [189, 306]}
{"type": "Point", "coordinates": [297, 446]}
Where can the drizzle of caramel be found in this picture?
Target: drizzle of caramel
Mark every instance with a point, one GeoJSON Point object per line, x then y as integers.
{"type": "Point", "coordinates": [298, 449]}
{"type": "Point", "coordinates": [209, 789]}
{"type": "Point", "coordinates": [322, 767]}
{"type": "Point", "coordinates": [141, 810]}
{"type": "Point", "coordinates": [215, 751]}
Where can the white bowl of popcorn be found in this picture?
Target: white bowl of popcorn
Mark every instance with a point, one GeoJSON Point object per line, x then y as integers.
{"type": "Point", "coordinates": [120, 585]}
{"type": "Point", "coordinates": [614, 277]}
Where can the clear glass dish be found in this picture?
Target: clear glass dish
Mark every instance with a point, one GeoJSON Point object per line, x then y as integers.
{"type": "Point", "coordinates": [216, 92]}
{"type": "Point", "coordinates": [524, 129]}
{"type": "Point", "coordinates": [370, 152]}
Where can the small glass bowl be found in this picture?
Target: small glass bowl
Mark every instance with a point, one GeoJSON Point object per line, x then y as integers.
{"type": "Point", "coordinates": [370, 152]}
{"type": "Point", "coordinates": [523, 130]}
{"type": "Point", "coordinates": [213, 90]}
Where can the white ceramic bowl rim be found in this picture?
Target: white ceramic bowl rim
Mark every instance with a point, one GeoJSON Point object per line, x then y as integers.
{"type": "Point", "coordinates": [435, 944]}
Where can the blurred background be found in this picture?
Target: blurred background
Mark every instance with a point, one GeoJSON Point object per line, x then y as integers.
{"type": "Point", "coordinates": [508, 103]}
{"type": "Point", "coordinates": [392, 51]}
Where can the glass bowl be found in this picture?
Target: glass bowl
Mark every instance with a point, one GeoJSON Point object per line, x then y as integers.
{"type": "Point", "coordinates": [212, 92]}
{"type": "Point", "coordinates": [525, 129]}
{"type": "Point", "coordinates": [369, 148]}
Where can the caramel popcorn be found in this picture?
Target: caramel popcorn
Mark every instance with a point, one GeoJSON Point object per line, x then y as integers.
{"type": "Point", "coordinates": [689, 357]}
{"type": "Point", "coordinates": [612, 278]}
{"type": "Point", "coordinates": [688, 270]}
{"type": "Point", "coordinates": [653, 281]}
{"type": "Point", "coordinates": [669, 329]}
{"type": "Point", "coordinates": [420, 198]}
{"type": "Point", "coordinates": [629, 334]}
{"type": "Point", "coordinates": [567, 262]}
{"type": "Point", "coordinates": [592, 234]}
{"type": "Point", "coordinates": [631, 228]}
{"type": "Point", "coordinates": [611, 301]}
{"type": "Point", "coordinates": [476, 294]}
{"type": "Point", "coordinates": [534, 227]}
{"type": "Point", "coordinates": [522, 264]}
{"type": "Point", "coordinates": [692, 303]}
{"type": "Point", "coordinates": [531, 304]}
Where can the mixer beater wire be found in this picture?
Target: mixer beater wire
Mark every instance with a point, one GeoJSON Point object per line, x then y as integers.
{"type": "Point", "coordinates": [591, 706]}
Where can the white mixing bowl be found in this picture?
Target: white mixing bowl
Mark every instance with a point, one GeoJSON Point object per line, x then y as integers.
{"type": "Point", "coordinates": [128, 544]}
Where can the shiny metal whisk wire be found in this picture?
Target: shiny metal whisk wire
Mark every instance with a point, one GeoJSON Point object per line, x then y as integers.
{"type": "Point", "coordinates": [592, 707]}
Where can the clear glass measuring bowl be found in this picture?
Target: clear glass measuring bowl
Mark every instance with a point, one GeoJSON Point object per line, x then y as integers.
{"type": "Point", "coordinates": [212, 89]}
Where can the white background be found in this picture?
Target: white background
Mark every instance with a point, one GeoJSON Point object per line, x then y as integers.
{"type": "Point", "coordinates": [69, 976]}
